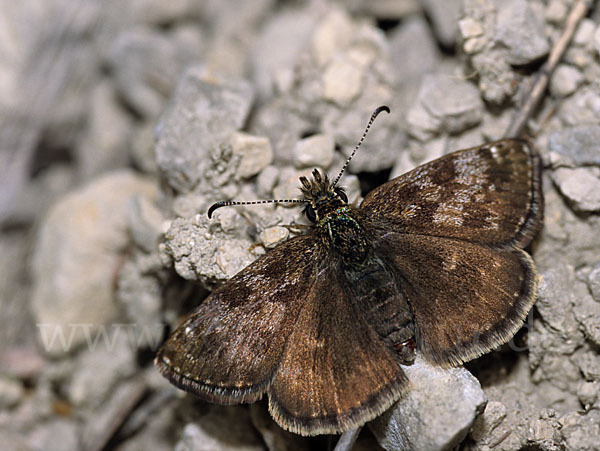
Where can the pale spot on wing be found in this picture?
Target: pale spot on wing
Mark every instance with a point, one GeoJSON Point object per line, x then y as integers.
{"type": "Point", "coordinates": [495, 153]}
{"type": "Point", "coordinates": [450, 264]}
{"type": "Point", "coordinates": [449, 213]}
{"type": "Point", "coordinates": [410, 211]}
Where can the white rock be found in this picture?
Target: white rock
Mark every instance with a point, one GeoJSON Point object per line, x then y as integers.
{"type": "Point", "coordinates": [79, 248]}
{"type": "Point", "coordinates": [342, 81]}
{"type": "Point", "coordinates": [580, 185]}
{"type": "Point", "coordinates": [470, 28]}
{"type": "Point", "coordinates": [585, 32]}
{"type": "Point", "coordinates": [597, 40]}
{"type": "Point", "coordinates": [565, 80]}
{"type": "Point", "coordinates": [11, 391]}
{"type": "Point", "coordinates": [316, 150]}
{"type": "Point", "coordinates": [333, 34]}
{"type": "Point", "coordinates": [436, 413]}
{"type": "Point", "coordinates": [272, 236]}
{"type": "Point", "coordinates": [255, 153]}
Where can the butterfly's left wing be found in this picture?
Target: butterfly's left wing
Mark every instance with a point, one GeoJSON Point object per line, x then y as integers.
{"type": "Point", "coordinates": [335, 373]}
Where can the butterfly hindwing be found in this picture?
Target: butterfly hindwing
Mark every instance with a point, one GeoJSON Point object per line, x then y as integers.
{"type": "Point", "coordinates": [466, 298]}
{"type": "Point", "coordinates": [228, 349]}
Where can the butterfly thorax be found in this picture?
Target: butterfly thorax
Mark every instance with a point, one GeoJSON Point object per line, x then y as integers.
{"type": "Point", "coordinates": [344, 233]}
{"type": "Point", "coordinates": [336, 223]}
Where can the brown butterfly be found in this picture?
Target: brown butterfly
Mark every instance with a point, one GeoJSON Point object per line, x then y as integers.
{"type": "Point", "coordinates": [431, 262]}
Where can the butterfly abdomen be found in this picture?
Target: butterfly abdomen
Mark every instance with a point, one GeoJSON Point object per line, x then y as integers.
{"type": "Point", "coordinates": [385, 309]}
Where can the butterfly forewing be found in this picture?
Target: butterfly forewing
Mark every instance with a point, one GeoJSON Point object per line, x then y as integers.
{"type": "Point", "coordinates": [228, 349]}
{"type": "Point", "coordinates": [489, 194]}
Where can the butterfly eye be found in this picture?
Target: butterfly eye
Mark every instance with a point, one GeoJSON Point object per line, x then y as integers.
{"type": "Point", "coordinates": [309, 211]}
{"type": "Point", "coordinates": [342, 195]}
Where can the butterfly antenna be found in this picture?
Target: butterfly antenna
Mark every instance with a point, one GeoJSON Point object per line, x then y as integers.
{"type": "Point", "coordinates": [373, 116]}
{"type": "Point", "coordinates": [228, 203]}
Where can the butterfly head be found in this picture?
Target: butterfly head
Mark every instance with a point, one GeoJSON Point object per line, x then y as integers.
{"type": "Point", "coordinates": [321, 196]}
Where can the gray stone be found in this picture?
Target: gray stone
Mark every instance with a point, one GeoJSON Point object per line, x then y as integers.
{"type": "Point", "coordinates": [581, 431]}
{"type": "Point", "coordinates": [226, 428]}
{"type": "Point", "coordinates": [55, 435]}
{"type": "Point", "coordinates": [332, 34]}
{"type": "Point", "coordinates": [444, 104]}
{"type": "Point", "coordinates": [157, 432]}
{"type": "Point", "coordinates": [146, 65]}
{"type": "Point", "coordinates": [470, 28]}
{"type": "Point", "coordinates": [11, 392]}
{"type": "Point", "coordinates": [272, 236]}
{"type": "Point", "coordinates": [494, 414]}
{"type": "Point", "coordinates": [254, 153]}
{"type": "Point", "coordinates": [316, 150]}
{"type": "Point", "coordinates": [589, 365]}
{"type": "Point", "coordinates": [379, 151]}
{"type": "Point", "coordinates": [273, 435]}
{"type": "Point", "coordinates": [108, 359]}
{"type": "Point", "coordinates": [104, 145]}
{"type": "Point", "coordinates": [145, 223]}
{"type": "Point", "coordinates": [205, 250]}
{"type": "Point", "coordinates": [413, 53]}
{"type": "Point", "coordinates": [555, 306]}
{"type": "Point", "coordinates": [587, 312]}
{"type": "Point", "coordinates": [157, 428]}
{"type": "Point", "coordinates": [545, 432]}
{"type": "Point", "coordinates": [556, 11]}
{"type": "Point", "coordinates": [14, 440]}
{"type": "Point", "coordinates": [436, 413]}
{"type": "Point", "coordinates": [288, 186]}
{"type": "Point", "coordinates": [142, 148]}
{"type": "Point", "coordinates": [593, 282]}
{"type": "Point", "coordinates": [588, 393]}
{"type": "Point", "coordinates": [497, 81]}
{"type": "Point", "coordinates": [157, 12]}
{"type": "Point", "coordinates": [202, 115]}
{"type": "Point", "coordinates": [565, 80]}
{"type": "Point", "coordinates": [283, 125]}
{"type": "Point", "coordinates": [580, 185]}
{"type": "Point", "coordinates": [584, 34]}
{"type": "Point", "coordinates": [583, 107]}
{"type": "Point", "coordinates": [342, 81]}
{"type": "Point", "coordinates": [21, 361]}
{"type": "Point", "coordinates": [520, 29]}
{"type": "Point", "coordinates": [266, 181]}
{"type": "Point", "coordinates": [140, 293]}
{"type": "Point", "coordinates": [444, 14]}
{"type": "Point", "coordinates": [580, 144]}
{"type": "Point", "coordinates": [597, 40]}
{"type": "Point", "coordinates": [279, 43]}
{"type": "Point", "coordinates": [78, 250]}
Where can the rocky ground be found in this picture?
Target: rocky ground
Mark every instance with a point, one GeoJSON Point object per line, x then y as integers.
{"type": "Point", "coordinates": [122, 121]}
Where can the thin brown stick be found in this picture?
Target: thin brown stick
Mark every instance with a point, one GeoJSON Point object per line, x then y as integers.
{"type": "Point", "coordinates": [540, 84]}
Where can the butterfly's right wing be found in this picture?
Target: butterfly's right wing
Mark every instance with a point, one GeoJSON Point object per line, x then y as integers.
{"type": "Point", "coordinates": [227, 350]}
{"type": "Point", "coordinates": [491, 194]}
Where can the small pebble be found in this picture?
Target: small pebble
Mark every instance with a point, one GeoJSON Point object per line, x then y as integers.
{"type": "Point", "coordinates": [316, 150]}
{"type": "Point", "coordinates": [272, 236]}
